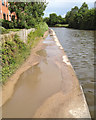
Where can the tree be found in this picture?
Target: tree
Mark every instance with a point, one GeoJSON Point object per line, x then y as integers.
{"type": "Point", "coordinates": [67, 17]}
{"type": "Point", "coordinates": [28, 13]}
{"type": "Point", "coordinates": [60, 20]}
{"type": "Point", "coordinates": [53, 19]}
{"type": "Point", "coordinates": [46, 19]}
{"type": "Point", "coordinates": [71, 15]}
{"type": "Point", "coordinates": [82, 18]}
{"type": "Point", "coordinates": [84, 7]}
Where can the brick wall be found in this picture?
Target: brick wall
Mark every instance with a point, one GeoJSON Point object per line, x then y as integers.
{"type": "Point", "coordinates": [4, 9]}
{"type": "Point", "coordinates": [4, 12]}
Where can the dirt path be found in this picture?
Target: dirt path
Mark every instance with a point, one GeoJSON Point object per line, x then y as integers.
{"type": "Point", "coordinates": [47, 86]}
{"type": "Point", "coordinates": [33, 59]}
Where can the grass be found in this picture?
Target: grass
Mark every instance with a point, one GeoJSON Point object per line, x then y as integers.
{"type": "Point", "coordinates": [39, 32]}
{"type": "Point", "coordinates": [14, 52]}
{"type": "Point", "coordinates": [61, 25]}
{"type": "Point", "coordinates": [14, 30]}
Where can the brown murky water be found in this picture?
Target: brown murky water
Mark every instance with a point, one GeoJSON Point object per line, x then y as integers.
{"type": "Point", "coordinates": [32, 87]}
{"type": "Point", "coordinates": [79, 47]}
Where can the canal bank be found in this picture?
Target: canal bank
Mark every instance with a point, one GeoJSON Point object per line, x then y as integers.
{"type": "Point", "coordinates": [49, 88]}
{"type": "Point", "coordinates": [79, 47]}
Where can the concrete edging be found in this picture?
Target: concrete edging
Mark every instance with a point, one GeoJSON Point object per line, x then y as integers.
{"type": "Point", "coordinates": [66, 60]}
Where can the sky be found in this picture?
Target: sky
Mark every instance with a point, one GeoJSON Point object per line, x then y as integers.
{"type": "Point", "coordinates": [61, 7]}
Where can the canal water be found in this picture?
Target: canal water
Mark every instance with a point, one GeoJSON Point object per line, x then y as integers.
{"type": "Point", "coordinates": [79, 47]}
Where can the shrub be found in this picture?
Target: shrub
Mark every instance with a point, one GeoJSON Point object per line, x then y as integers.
{"type": "Point", "coordinates": [13, 53]}
{"type": "Point", "coordinates": [3, 30]}
{"type": "Point", "coordinates": [40, 29]}
{"type": "Point", "coordinates": [6, 24]}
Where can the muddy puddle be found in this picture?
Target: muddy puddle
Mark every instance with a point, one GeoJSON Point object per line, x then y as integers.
{"type": "Point", "coordinates": [35, 85]}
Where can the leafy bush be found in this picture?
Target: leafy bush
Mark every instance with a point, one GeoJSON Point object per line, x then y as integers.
{"type": "Point", "coordinates": [39, 32]}
{"type": "Point", "coordinates": [1, 20]}
{"type": "Point", "coordinates": [13, 53]}
{"type": "Point", "coordinates": [8, 24]}
{"type": "Point", "coordinates": [3, 30]}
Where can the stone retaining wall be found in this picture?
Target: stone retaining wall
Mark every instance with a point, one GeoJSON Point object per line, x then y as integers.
{"type": "Point", "coordinates": [23, 34]}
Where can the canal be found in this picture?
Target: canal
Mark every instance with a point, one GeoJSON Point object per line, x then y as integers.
{"type": "Point", "coordinates": [79, 47]}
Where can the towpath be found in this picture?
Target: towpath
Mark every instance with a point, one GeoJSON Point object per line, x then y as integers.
{"type": "Point", "coordinates": [48, 88]}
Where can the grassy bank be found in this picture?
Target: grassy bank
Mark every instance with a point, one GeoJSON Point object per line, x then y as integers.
{"type": "Point", "coordinates": [5, 31]}
{"type": "Point", "coordinates": [61, 25]}
{"type": "Point", "coordinates": [14, 51]}
{"type": "Point", "coordinates": [33, 37]}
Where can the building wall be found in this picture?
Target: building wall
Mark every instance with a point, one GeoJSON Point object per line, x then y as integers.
{"type": "Point", "coordinates": [0, 9]}
{"type": "Point", "coordinates": [4, 9]}
{"type": "Point", "coordinates": [4, 12]}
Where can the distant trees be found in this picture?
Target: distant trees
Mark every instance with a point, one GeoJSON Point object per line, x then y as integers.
{"type": "Point", "coordinates": [78, 18]}
{"type": "Point", "coordinates": [82, 18]}
{"type": "Point", "coordinates": [53, 19]}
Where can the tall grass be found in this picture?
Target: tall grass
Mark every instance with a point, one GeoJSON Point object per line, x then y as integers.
{"type": "Point", "coordinates": [39, 32]}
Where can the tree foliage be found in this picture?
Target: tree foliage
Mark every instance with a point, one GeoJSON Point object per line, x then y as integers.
{"type": "Point", "coordinates": [82, 18]}
{"type": "Point", "coordinates": [53, 19]}
{"type": "Point", "coordinates": [28, 13]}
